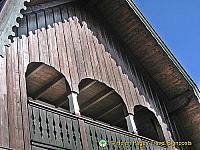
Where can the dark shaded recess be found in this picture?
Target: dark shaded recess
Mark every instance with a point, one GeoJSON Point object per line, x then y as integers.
{"type": "Point", "coordinates": [46, 84]}
{"type": "Point", "coordinates": [101, 103]}
{"type": "Point", "coordinates": [147, 124]}
{"type": "Point", "coordinates": [2, 2]}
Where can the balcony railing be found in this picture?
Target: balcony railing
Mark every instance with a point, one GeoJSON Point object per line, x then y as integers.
{"type": "Point", "coordinates": [56, 129]}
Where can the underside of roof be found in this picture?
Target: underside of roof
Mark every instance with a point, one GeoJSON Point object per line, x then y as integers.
{"type": "Point", "coordinates": [144, 44]}
{"type": "Point", "coordinates": [133, 30]}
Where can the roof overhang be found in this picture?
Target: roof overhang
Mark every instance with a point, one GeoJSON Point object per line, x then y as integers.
{"type": "Point", "coordinates": [171, 57]}
{"type": "Point", "coordinates": [144, 44]}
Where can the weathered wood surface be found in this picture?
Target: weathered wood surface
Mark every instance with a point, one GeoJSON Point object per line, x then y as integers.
{"type": "Point", "coordinates": [78, 45]}
{"type": "Point", "coordinates": [57, 129]}
{"type": "Point", "coordinates": [4, 134]}
{"type": "Point", "coordinates": [54, 129]}
{"type": "Point", "coordinates": [116, 139]}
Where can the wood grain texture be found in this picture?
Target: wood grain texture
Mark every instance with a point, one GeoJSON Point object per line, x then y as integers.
{"type": "Point", "coordinates": [79, 45]}
{"type": "Point", "coordinates": [4, 134]}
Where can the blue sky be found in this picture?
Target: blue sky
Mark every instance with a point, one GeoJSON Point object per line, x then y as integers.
{"type": "Point", "coordinates": [178, 24]}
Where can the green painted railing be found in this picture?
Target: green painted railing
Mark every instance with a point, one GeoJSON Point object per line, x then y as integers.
{"type": "Point", "coordinates": [55, 129]}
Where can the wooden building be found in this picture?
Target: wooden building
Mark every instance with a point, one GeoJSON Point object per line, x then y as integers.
{"type": "Point", "coordinates": [74, 72]}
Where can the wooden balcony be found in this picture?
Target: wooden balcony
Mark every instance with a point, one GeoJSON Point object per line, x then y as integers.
{"type": "Point", "coordinates": [56, 129]}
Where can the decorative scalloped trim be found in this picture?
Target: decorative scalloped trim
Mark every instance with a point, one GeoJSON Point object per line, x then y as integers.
{"type": "Point", "coordinates": [10, 20]}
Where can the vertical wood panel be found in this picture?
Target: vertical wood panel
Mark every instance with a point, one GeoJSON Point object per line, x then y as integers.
{"type": "Point", "coordinates": [118, 76]}
{"type": "Point", "coordinates": [23, 53]}
{"type": "Point", "coordinates": [4, 134]}
{"type": "Point", "coordinates": [116, 70]}
{"type": "Point", "coordinates": [42, 37]}
{"type": "Point", "coordinates": [112, 61]}
{"type": "Point", "coordinates": [84, 45]}
{"type": "Point", "coordinates": [138, 89]}
{"type": "Point", "coordinates": [95, 60]}
{"type": "Point", "coordinates": [89, 54]}
{"type": "Point", "coordinates": [70, 49]}
{"type": "Point", "coordinates": [11, 103]}
{"type": "Point", "coordinates": [125, 80]}
{"type": "Point", "coordinates": [76, 42]}
{"type": "Point", "coordinates": [53, 49]}
{"type": "Point", "coordinates": [109, 58]}
{"type": "Point", "coordinates": [126, 89]}
{"type": "Point", "coordinates": [23, 63]}
{"type": "Point", "coordinates": [99, 72]}
{"type": "Point", "coordinates": [33, 38]}
{"type": "Point", "coordinates": [64, 64]}
{"type": "Point", "coordinates": [131, 83]}
{"type": "Point", "coordinates": [20, 139]}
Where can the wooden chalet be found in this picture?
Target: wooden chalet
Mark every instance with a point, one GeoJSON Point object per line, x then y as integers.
{"type": "Point", "coordinates": [74, 72]}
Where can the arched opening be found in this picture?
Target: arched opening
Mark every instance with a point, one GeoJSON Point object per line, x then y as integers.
{"type": "Point", "coordinates": [47, 85]}
{"type": "Point", "coordinates": [99, 102]}
{"type": "Point", "coordinates": [147, 124]}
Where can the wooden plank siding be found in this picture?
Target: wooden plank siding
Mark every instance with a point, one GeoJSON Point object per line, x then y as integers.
{"type": "Point", "coordinates": [4, 134]}
{"type": "Point", "coordinates": [76, 44]}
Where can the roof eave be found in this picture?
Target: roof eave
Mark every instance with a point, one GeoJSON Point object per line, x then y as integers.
{"type": "Point", "coordinates": [165, 49]}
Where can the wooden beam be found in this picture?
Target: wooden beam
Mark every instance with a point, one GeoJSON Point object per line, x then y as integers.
{"type": "Point", "coordinates": [45, 88]}
{"type": "Point", "coordinates": [118, 120]}
{"type": "Point", "coordinates": [88, 86]}
{"type": "Point", "coordinates": [106, 112]}
{"type": "Point", "coordinates": [97, 98]}
{"type": "Point", "coordinates": [34, 71]}
{"type": "Point", "coordinates": [61, 100]}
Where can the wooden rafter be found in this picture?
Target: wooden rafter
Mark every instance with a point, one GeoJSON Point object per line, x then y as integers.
{"type": "Point", "coordinates": [61, 100]}
{"type": "Point", "coordinates": [106, 112]}
{"type": "Point", "coordinates": [97, 98]}
{"type": "Point", "coordinates": [34, 71]}
{"type": "Point", "coordinates": [45, 88]}
{"type": "Point", "coordinates": [88, 86]}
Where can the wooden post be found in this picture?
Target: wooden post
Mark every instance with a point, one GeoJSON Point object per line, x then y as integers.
{"type": "Point", "coordinates": [73, 103]}
{"type": "Point", "coordinates": [131, 124]}
{"type": "Point", "coordinates": [74, 108]}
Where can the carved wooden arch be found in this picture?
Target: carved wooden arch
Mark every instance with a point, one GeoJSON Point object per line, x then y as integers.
{"type": "Point", "coordinates": [47, 84]}
{"type": "Point", "coordinates": [39, 66]}
{"type": "Point", "coordinates": [164, 126]}
{"type": "Point", "coordinates": [101, 102]}
{"type": "Point", "coordinates": [147, 123]}
{"type": "Point", "coordinates": [93, 81]}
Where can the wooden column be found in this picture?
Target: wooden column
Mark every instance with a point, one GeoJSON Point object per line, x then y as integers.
{"type": "Point", "coordinates": [131, 124]}
{"type": "Point", "coordinates": [74, 108]}
{"type": "Point", "coordinates": [73, 103]}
